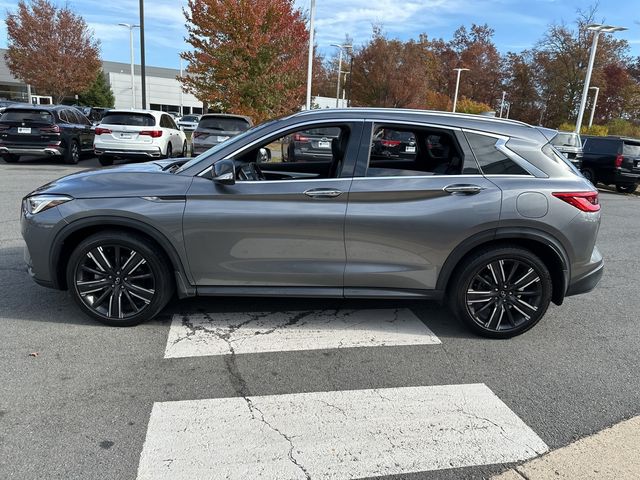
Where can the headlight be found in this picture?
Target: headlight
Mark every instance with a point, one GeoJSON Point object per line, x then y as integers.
{"type": "Point", "coordinates": [40, 203]}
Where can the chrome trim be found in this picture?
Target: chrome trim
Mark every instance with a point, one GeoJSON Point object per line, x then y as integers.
{"type": "Point", "coordinates": [274, 135]}
{"type": "Point", "coordinates": [413, 177]}
{"type": "Point", "coordinates": [133, 153]}
{"type": "Point", "coordinates": [31, 151]}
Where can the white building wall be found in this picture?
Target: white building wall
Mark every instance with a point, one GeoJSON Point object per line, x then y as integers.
{"type": "Point", "coordinates": [162, 91]}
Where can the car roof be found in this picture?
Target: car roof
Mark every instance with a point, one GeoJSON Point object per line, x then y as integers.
{"type": "Point", "coordinates": [226, 115]}
{"type": "Point", "coordinates": [26, 106]}
{"type": "Point", "coordinates": [155, 113]}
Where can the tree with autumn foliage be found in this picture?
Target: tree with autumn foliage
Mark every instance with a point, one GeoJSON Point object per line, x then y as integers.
{"type": "Point", "coordinates": [249, 56]}
{"type": "Point", "coordinates": [52, 49]}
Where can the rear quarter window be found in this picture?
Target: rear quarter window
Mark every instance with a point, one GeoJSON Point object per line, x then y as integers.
{"type": "Point", "coordinates": [631, 149]}
{"type": "Point", "coordinates": [132, 119]}
{"type": "Point", "coordinates": [491, 160]}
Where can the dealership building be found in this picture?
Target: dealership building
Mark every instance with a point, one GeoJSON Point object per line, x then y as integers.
{"type": "Point", "coordinates": [164, 91]}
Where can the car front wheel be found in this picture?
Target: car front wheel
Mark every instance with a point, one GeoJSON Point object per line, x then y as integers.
{"type": "Point", "coordinates": [501, 292]}
{"type": "Point", "coordinates": [120, 279]}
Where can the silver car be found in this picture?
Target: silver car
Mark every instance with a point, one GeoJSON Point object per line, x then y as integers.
{"type": "Point", "coordinates": [215, 128]}
{"type": "Point", "coordinates": [485, 215]}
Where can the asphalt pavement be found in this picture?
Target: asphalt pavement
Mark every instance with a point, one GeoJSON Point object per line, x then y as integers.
{"type": "Point", "coordinates": [79, 400]}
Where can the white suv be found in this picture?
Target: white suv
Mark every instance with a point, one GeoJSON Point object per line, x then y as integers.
{"type": "Point", "coordinates": [138, 134]}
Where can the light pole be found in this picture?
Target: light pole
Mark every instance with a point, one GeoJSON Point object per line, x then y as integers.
{"type": "Point", "coordinates": [143, 66]}
{"type": "Point", "coordinates": [312, 12]}
{"type": "Point", "coordinates": [504, 94]}
{"type": "Point", "coordinates": [455, 97]}
{"type": "Point", "coordinates": [133, 85]}
{"type": "Point", "coordinates": [597, 29]}
{"type": "Point", "coordinates": [593, 107]}
{"type": "Point", "coordinates": [341, 47]}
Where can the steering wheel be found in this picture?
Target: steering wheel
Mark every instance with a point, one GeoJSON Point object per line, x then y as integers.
{"type": "Point", "coordinates": [251, 172]}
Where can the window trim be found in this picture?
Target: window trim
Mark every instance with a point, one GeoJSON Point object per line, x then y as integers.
{"type": "Point", "coordinates": [276, 134]}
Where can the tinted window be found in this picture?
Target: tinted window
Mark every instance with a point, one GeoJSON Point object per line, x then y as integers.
{"type": "Point", "coordinates": [164, 122]}
{"type": "Point", "coordinates": [171, 123]}
{"type": "Point", "coordinates": [224, 123]}
{"type": "Point", "coordinates": [491, 160]}
{"type": "Point", "coordinates": [601, 145]}
{"type": "Point", "coordinates": [566, 140]}
{"type": "Point", "coordinates": [125, 118]}
{"type": "Point", "coordinates": [72, 116]}
{"type": "Point", "coordinates": [631, 149]}
{"type": "Point", "coordinates": [28, 116]}
{"type": "Point", "coordinates": [189, 118]}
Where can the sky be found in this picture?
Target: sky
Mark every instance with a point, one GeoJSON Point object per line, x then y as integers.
{"type": "Point", "coordinates": [518, 24]}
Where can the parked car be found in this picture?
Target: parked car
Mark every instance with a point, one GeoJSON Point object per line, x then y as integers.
{"type": "Point", "coordinates": [47, 130]}
{"type": "Point", "coordinates": [509, 227]}
{"type": "Point", "coordinates": [310, 145]}
{"type": "Point", "coordinates": [570, 145]}
{"type": "Point", "coordinates": [188, 123]}
{"type": "Point", "coordinates": [94, 114]}
{"type": "Point", "coordinates": [215, 128]}
{"type": "Point", "coordinates": [393, 143]}
{"type": "Point", "coordinates": [4, 104]}
{"type": "Point", "coordinates": [138, 134]}
{"type": "Point", "coordinates": [612, 161]}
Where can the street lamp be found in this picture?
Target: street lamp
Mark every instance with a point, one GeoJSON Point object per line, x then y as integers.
{"type": "Point", "coordinates": [455, 97]}
{"type": "Point", "coordinates": [593, 107]}
{"type": "Point", "coordinates": [341, 47]}
{"type": "Point", "coordinates": [312, 12]}
{"type": "Point", "coordinates": [133, 89]}
{"type": "Point", "coordinates": [504, 94]}
{"type": "Point", "coordinates": [597, 29]}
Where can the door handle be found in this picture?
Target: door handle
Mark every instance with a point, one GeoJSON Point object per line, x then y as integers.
{"type": "Point", "coordinates": [463, 188]}
{"type": "Point", "coordinates": [323, 193]}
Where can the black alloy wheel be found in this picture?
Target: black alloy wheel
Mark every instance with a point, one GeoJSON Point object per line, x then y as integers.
{"type": "Point", "coordinates": [169, 150]}
{"type": "Point", "coordinates": [184, 149]}
{"type": "Point", "coordinates": [501, 293]}
{"type": "Point", "coordinates": [119, 278]}
{"type": "Point", "coordinates": [73, 153]}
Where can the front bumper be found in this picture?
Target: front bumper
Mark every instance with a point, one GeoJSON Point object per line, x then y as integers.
{"type": "Point", "coordinates": [21, 150]}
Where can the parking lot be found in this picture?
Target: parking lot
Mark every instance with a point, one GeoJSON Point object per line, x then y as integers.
{"type": "Point", "coordinates": [309, 388]}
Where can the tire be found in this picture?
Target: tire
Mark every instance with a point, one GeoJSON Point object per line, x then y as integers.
{"type": "Point", "coordinates": [130, 299]}
{"type": "Point", "coordinates": [500, 312]}
{"type": "Point", "coordinates": [184, 150]}
{"type": "Point", "coordinates": [72, 153]}
{"type": "Point", "coordinates": [589, 175]}
{"type": "Point", "coordinates": [105, 161]}
{"type": "Point", "coordinates": [169, 150]}
{"type": "Point", "coordinates": [11, 158]}
{"type": "Point", "coordinates": [626, 188]}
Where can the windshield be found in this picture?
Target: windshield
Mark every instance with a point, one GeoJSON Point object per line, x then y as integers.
{"type": "Point", "coordinates": [631, 149]}
{"type": "Point", "coordinates": [28, 116]}
{"type": "Point", "coordinates": [566, 140]}
{"type": "Point", "coordinates": [224, 124]}
{"type": "Point", "coordinates": [134, 119]}
{"type": "Point", "coordinates": [220, 146]}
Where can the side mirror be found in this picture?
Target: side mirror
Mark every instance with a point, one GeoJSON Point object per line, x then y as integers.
{"type": "Point", "coordinates": [224, 172]}
{"type": "Point", "coordinates": [264, 155]}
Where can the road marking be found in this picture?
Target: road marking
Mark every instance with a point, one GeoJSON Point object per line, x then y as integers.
{"type": "Point", "coordinates": [334, 435]}
{"type": "Point", "coordinates": [196, 335]}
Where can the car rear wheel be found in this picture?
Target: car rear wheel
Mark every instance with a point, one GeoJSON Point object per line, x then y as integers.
{"type": "Point", "coordinates": [169, 150]}
{"type": "Point", "coordinates": [11, 158]}
{"type": "Point", "coordinates": [501, 292]}
{"type": "Point", "coordinates": [72, 154]}
{"type": "Point", "coordinates": [626, 188]}
{"type": "Point", "coordinates": [105, 161]}
{"type": "Point", "coordinates": [589, 175]}
{"type": "Point", "coordinates": [184, 149]}
{"type": "Point", "coordinates": [118, 278]}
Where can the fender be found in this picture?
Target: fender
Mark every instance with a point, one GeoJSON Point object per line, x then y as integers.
{"type": "Point", "coordinates": [508, 233]}
{"type": "Point", "coordinates": [183, 285]}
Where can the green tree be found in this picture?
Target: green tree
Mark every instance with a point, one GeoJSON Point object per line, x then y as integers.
{"type": "Point", "coordinates": [99, 94]}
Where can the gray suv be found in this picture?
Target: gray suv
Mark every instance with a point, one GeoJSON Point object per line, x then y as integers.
{"type": "Point", "coordinates": [484, 214]}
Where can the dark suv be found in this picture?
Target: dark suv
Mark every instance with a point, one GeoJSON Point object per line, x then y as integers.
{"type": "Point", "coordinates": [612, 161]}
{"type": "Point", "coordinates": [53, 130]}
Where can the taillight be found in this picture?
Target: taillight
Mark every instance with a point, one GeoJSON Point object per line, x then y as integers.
{"type": "Point", "coordinates": [151, 133]}
{"type": "Point", "coordinates": [50, 129]}
{"type": "Point", "coordinates": [585, 201]}
{"type": "Point", "coordinates": [390, 143]}
{"type": "Point", "coordinates": [100, 130]}
{"type": "Point", "coordinates": [300, 138]}
{"type": "Point", "coordinates": [4, 127]}
{"type": "Point", "coordinates": [619, 159]}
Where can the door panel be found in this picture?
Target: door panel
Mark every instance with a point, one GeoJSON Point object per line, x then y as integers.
{"type": "Point", "coordinates": [400, 230]}
{"type": "Point", "coordinates": [266, 233]}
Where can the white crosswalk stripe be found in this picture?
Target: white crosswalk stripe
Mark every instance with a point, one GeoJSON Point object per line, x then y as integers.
{"type": "Point", "coordinates": [324, 435]}
{"type": "Point", "coordinates": [224, 333]}
{"type": "Point", "coordinates": [334, 435]}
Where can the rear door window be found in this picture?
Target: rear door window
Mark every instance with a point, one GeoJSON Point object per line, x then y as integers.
{"type": "Point", "coordinates": [224, 124]}
{"type": "Point", "coordinates": [126, 118]}
{"type": "Point", "coordinates": [601, 146]}
{"type": "Point", "coordinates": [28, 116]}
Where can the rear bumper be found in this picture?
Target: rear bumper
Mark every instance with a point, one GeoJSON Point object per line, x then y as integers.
{"type": "Point", "coordinates": [125, 153]}
{"type": "Point", "coordinates": [626, 178]}
{"type": "Point", "coordinates": [587, 281]}
{"type": "Point", "coordinates": [9, 150]}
